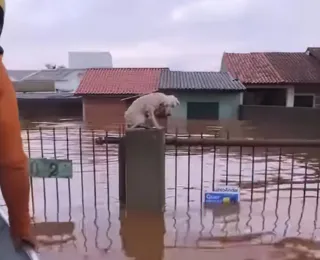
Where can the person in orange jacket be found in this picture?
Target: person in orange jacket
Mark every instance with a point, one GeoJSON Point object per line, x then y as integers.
{"type": "Point", "coordinates": [14, 177]}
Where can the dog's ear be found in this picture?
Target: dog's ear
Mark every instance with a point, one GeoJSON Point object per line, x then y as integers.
{"type": "Point", "coordinates": [175, 100]}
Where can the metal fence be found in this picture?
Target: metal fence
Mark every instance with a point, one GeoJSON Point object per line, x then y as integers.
{"type": "Point", "coordinates": [276, 178]}
{"type": "Point", "coordinates": [194, 164]}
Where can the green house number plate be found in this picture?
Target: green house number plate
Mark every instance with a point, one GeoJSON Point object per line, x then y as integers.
{"type": "Point", "coordinates": [50, 168]}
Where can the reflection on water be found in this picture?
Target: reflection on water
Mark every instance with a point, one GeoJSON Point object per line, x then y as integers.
{"type": "Point", "coordinates": [118, 235]}
{"type": "Point", "coordinates": [80, 218]}
{"type": "Point", "coordinates": [142, 235]}
{"type": "Point", "coordinates": [51, 233]}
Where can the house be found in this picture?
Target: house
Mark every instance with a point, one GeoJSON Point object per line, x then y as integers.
{"type": "Point", "coordinates": [17, 75]}
{"type": "Point", "coordinates": [204, 97]}
{"type": "Point", "coordinates": [107, 93]}
{"type": "Point", "coordinates": [276, 78]}
{"type": "Point", "coordinates": [45, 105]}
{"type": "Point", "coordinates": [284, 87]}
{"type": "Point", "coordinates": [64, 79]}
{"type": "Point", "coordinates": [55, 80]}
{"type": "Point", "coordinates": [49, 92]}
{"type": "Point", "coordinates": [34, 86]}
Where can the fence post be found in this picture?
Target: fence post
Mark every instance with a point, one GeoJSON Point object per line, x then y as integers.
{"type": "Point", "coordinates": [145, 169]}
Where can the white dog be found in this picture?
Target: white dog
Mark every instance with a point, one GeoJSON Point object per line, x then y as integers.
{"type": "Point", "coordinates": [146, 106]}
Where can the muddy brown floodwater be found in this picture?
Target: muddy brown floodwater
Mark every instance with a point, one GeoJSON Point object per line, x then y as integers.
{"type": "Point", "coordinates": [80, 218]}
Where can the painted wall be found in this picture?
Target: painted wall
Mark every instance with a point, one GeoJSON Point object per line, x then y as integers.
{"type": "Point", "coordinates": [228, 103]}
{"type": "Point", "coordinates": [228, 112]}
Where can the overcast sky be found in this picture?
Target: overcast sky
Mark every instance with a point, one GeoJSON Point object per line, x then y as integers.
{"type": "Point", "coordinates": [180, 34]}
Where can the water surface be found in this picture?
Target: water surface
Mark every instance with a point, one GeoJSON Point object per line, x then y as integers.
{"type": "Point", "coordinates": [80, 218]}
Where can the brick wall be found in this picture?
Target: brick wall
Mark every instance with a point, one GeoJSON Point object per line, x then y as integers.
{"type": "Point", "coordinates": [104, 112]}
{"type": "Point", "coordinates": [107, 112]}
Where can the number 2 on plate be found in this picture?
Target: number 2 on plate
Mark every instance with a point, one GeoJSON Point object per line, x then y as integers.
{"type": "Point", "coordinates": [53, 169]}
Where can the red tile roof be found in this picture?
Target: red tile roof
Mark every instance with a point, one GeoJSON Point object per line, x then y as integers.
{"type": "Point", "coordinates": [295, 67]}
{"type": "Point", "coordinates": [251, 68]}
{"type": "Point", "coordinates": [119, 81]}
{"type": "Point", "coordinates": [273, 67]}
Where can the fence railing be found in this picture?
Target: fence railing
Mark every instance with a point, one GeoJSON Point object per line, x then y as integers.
{"type": "Point", "coordinates": [262, 168]}
{"type": "Point", "coordinates": [273, 175]}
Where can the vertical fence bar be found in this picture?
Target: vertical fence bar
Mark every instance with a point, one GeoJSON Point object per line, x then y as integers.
{"type": "Point", "coordinates": [305, 179]}
{"type": "Point", "coordinates": [214, 167]}
{"type": "Point", "coordinates": [96, 215]}
{"type": "Point", "coordinates": [81, 169]}
{"type": "Point", "coordinates": [43, 179]}
{"type": "Point", "coordinates": [31, 180]}
{"type": "Point", "coordinates": [252, 172]}
{"type": "Point", "coordinates": [56, 179]}
{"type": "Point", "coordinates": [266, 173]}
{"type": "Point", "coordinates": [279, 173]}
{"type": "Point", "coordinates": [189, 164]}
{"type": "Point", "coordinates": [68, 158]}
{"type": "Point", "coordinates": [94, 168]}
{"type": "Point", "coordinates": [292, 173]}
{"type": "Point", "coordinates": [318, 184]}
{"type": "Point", "coordinates": [201, 177]}
{"type": "Point", "coordinates": [240, 167]}
{"type": "Point", "coordinates": [107, 169]}
{"type": "Point", "coordinates": [278, 191]}
{"type": "Point", "coordinates": [317, 202]}
{"type": "Point", "coordinates": [227, 164]}
{"type": "Point", "coordinates": [175, 171]}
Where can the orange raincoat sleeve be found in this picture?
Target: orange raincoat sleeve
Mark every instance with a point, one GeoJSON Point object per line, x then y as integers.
{"type": "Point", "coordinates": [14, 179]}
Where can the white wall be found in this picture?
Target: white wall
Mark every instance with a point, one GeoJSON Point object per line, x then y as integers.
{"type": "Point", "coordinates": [71, 82]}
{"type": "Point", "coordinates": [81, 60]}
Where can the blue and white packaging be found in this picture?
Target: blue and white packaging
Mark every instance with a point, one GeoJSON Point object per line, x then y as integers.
{"type": "Point", "coordinates": [223, 195]}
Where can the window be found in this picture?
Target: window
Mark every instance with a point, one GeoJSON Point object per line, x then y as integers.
{"type": "Point", "coordinates": [203, 110]}
{"type": "Point", "coordinates": [304, 100]}
{"type": "Point", "coordinates": [265, 97]}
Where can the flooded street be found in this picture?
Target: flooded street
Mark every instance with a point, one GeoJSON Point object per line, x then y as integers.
{"type": "Point", "coordinates": [80, 218]}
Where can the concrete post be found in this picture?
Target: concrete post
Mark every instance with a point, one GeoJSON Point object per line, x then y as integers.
{"type": "Point", "coordinates": [145, 169]}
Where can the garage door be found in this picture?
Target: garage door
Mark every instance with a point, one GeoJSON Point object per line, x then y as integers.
{"type": "Point", "coordinates": [203, 110]}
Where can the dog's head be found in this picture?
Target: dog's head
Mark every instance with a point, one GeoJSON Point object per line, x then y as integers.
{"type": "Point", "coordinates": [172, 101]}
{"type": "Point", "coordinates": [166, 106]}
